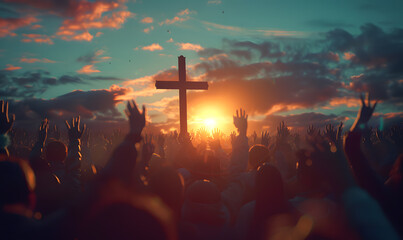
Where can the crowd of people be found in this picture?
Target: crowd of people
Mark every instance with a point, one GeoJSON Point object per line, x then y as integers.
{"type": "Point", "coordinates": [326, 184]}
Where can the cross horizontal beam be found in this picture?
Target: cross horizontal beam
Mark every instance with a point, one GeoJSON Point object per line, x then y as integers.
{"type": "Point", "coordinates": [181, 85]}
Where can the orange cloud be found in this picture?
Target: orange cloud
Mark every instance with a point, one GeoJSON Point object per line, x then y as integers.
{"type": "Point", "coordinates": [170, 40]}
{"type": "Point", "coordinates": [173, 20]}
{"type": "Point", "coordinates": [147, 20]}
{"type": "Point", "coordinates": [349, 102]}
{"type": "Point", "coordinates": [90, 15]}
{"type": "Point", "coordinates": [11, 67]}
{"type": "Point", "coordinates": [348, 55]}
{"type": "Point", "coordinates": [39, 38]}
{"type": "Point", "coordinates": [216, 2]}
{"type": "Point", "coordinates": [88, 69]}
{"type": "Point", "coordinates": [98, 34]}
{"type": "Point", "coordinates": [152, 47]}
{"type": "Point", "coordinates": [34, 60]}
{"type": "Point", "coordinates": [8, 25]}
{"type": "Point", "coordinates": [36, 26]}
{"type": "Point", "coordinates": [183, 12]}
{"type": "Point", "coordinates": [190, 46]}
{"type": "Point", "coordinates": [147, 30]}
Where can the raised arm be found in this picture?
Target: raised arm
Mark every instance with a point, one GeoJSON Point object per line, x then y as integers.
{"type": "Point", "coordinates": [240, 147]}
{"type": "Point", "coordinates": [35, 158]}
{"type": "Point", "coordinates": [73, 160]}
{"type": "Point", "coordinates": [6, 124]}
{"type": "Point", "coordinates": [122, 163]}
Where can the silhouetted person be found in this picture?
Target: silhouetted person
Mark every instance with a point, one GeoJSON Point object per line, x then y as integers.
{"type": "Point", "coordinates": [17, 201]}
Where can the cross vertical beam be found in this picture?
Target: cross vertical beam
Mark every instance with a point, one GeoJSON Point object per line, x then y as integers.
{"type": "Point", "coordinates": [183, 115]}
{"type": "Point", "coordinates": [182, 85]}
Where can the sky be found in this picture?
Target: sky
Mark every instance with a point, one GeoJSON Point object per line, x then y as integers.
{"type": "Point", "coordinates": [304, 62]}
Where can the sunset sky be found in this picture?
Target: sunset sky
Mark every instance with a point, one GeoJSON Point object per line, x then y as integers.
{"type": "Point", "coordinates": [304, 62]}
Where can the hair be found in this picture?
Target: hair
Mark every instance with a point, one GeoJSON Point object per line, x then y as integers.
{"type": "Point", "coordinates": [203, 191]}
{"type": "Point", "coordinates": [270, 199]}
{"type": "Point", "coordinates": [118, 213]}
{"type": "Point", "coordinates": [17, 182]}
{"type": "Point", "coordinates": [168, 184]}
{"type": "Point", "coordinates": [258, 155]}
{"type": "Point", "coordinates": [56, 151]}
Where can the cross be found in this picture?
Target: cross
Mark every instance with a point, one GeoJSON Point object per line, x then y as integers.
{"type": "Point", "coordinates": [182, 85]}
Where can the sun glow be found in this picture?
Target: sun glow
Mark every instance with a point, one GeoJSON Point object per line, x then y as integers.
{"type": "Point", "coordinates": [210, 118]}
{"type": "Point", "coordinates": [210, 124]}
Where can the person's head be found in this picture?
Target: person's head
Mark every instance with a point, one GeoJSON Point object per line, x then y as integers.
{"type": "Point", "coordinates": [118, 213]}
{"type": "Point", "coordinates": [17, 183]}
{"type": "Point", "coordinates": [269, 188]}
{"type": "Point", "coordinates": [203, 191]}
{"type": "Point", "coordinates": [258, 155]}
{"type": "Point", "coordinates": [396, 175]}
{"type": "Point", "coordinates": [307, 174]}
{"type": "Point", "coordinates": [206, 165]}
{"type": "Point", "coordinates": [55, 152]}
{"type": "Point", "coordinates": [168, 184]}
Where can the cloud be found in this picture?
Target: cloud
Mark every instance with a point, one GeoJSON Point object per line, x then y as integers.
{"type": "Point", "coordinates": [147, 20]}
{"type": "Point", "coordinates": [234, 30]}
{"type": "Point", "coordinates": [147, 30]}
{"type": "Point", "coordinates": [88, 69]}
{"type": "Point", "coordinates": [9, 25]}
{"type": "Point", "coordinates": [278, 77]}
{"type": "Point", "coordinates": [170, 40]}
{"type": "Point", "coordinates": [93, 57]}
{"type": "Point", "coordinates": [182, 16]}
{"type": "Point", "coordinates": [152, 47]}
{"type": "Point", "coordinates": [34, 60]}
{"type": "Point", "coordinates": [38, 38]}
{"type": "Point", "coordinates": [80, 16]}
{"type": "Point", "coordinates": [374, 53]}
{"type": "Point", "coordinates": [90, 59]}
{"type": "Point", "coordinates": [322, 23]}
{"type": "Point", "coordinates": [189, 46]}
{"type": "Point", "coordinates": [216, 2]}
{"type": "Point", "coordinates": [90, 105]}
{"type": "Point", "coordinates": [10, 67]}
{"type": "Point", "coordinates": [184, 12]}
{"type": "Point", "coordinates": [36, 26]}
{"type": "Point", "coordinates": [22, 85]}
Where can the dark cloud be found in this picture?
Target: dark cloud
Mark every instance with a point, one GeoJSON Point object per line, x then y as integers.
{"type": "Point", "coordinates": [105, 78]}
{"type": "Point", "coordinates": [88, 58]}
{"type": "Point", "coordinates": [208, 52]}
{"type": "Point", "coordinates": [322, 23]}
{"type": "Point", "coordinates": [97, 104]}
{"type": "Point", "coordinates": [268, 77]}
{"type": "Point", "coordinates": [378, 56]}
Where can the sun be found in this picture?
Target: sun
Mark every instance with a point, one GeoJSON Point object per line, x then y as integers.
{"type": "Point", "coordinates": [210, 124]}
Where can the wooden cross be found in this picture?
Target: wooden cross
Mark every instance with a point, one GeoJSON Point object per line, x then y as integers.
{"type": "Point", "coordinates": [182, 85]}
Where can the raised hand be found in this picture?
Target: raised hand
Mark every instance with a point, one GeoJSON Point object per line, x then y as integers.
{"type": "Point", "coordinates": [73, 129]}
{"type": "Point", "coordinates": [340, 132]}
{"type": "Point", "coordinates": [137, 120]}
{"type": "Point", "coordinates": [265, 138]}
{"type": "Point", "coordinates": [5, 122]}
{"type": "Point", "coordinates": [216, 133]}
{"type": "Point", "coordinates": [364, 114]}
{"type": "Point", "coordinates": [282, 131]}
{"type": "Point", "coordinates": [203, 134]}
{"type": "Point", "coordinates": [311, 131]}
{"type": "Point", "coordinates": [43, 131]}
{"type": "Point", "coordinates": [148, 147]}
{"type": "Point", "coordinates": [330, 133]}
{"type": "Point", "coordinates": [161, 140]}
{"type": "Point", "coordinates": [233, 137]}
{"type": "Point", "coordinates": [241, 121]}
{"type": "Point", "coordinates": [254, 136]}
